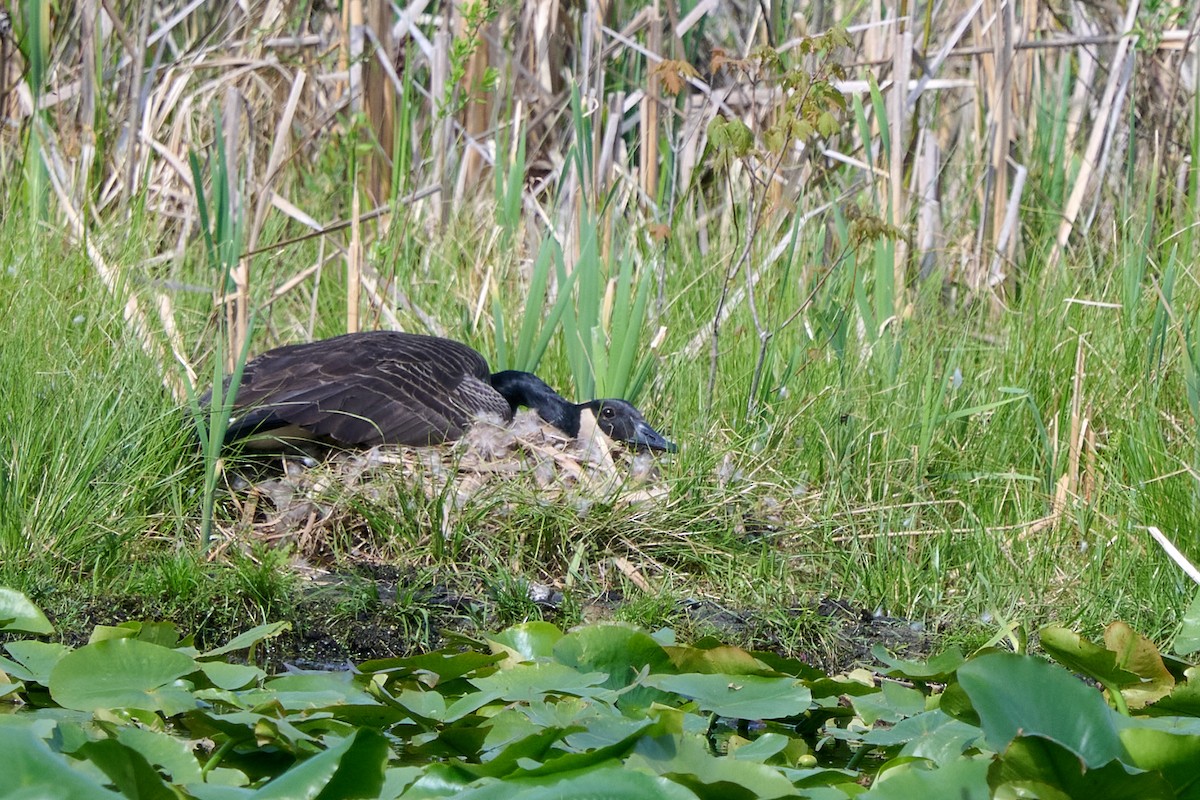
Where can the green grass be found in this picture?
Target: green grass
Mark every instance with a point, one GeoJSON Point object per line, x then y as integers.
{"type": "Point", "coordinates": [901, 465]}
{"type": "Point", "coordinates": [910, 493]}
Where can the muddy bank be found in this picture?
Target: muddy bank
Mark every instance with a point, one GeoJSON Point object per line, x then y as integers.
{"type": "Point", "coordinates": [382, 611]}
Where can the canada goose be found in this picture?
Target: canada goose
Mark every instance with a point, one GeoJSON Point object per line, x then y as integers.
{"type": "Point", "coordinates": [376, 387]}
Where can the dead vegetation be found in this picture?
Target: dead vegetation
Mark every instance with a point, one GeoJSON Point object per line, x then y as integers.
{"type": "Point", "coordinates": [310, 504]}
{"type": "Point", "coordinates": [337, 138]}
{"type": "Point", "coordinates": [440, 94]}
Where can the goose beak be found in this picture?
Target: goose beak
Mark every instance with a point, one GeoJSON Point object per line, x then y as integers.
{"type": "Point", "coordinates": [645, 436]}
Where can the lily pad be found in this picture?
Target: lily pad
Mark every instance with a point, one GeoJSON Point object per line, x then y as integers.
{"type": "Point", "coordinates": [19, 614]}
{"type": "Point", "coordinates": [122, 673]}
{"type": "Point", "coordinates": [738, 696]}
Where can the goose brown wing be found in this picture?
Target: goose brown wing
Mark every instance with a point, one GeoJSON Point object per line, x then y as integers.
{"type": "Point", "coordinates": [369, 388]}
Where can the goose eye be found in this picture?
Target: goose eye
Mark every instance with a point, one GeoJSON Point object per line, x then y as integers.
{"type": "Point", "coordinates": [608, 412]}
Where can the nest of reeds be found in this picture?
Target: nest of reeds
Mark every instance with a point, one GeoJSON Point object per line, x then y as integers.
{"type": "Point", "coordinates": [313, 505]}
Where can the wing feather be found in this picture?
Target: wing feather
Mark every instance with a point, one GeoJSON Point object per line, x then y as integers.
{"type": "Point", "coordinates": [368, 388]}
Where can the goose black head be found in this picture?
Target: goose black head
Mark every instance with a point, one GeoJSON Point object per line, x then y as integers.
{"type": "Point", "coordinates": [622, 422]}
{"type": "Point", "coordinates": [619, 420]}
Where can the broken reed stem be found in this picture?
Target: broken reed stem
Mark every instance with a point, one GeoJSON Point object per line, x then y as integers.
{"type": "Point", "coordinates": [1174, 554]}
{"type": "Point", "coordinates": [649, 115]}
{"type": "Point", "coordinates": [1169, 40]}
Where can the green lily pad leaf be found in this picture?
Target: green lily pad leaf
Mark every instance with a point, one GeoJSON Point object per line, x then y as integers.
{"type": "Point", "coordinates": [764, 747]}
{"type": "Point", "coordinates": [945, 744]}
{"type": "Point", "coordinates": [521, 756]}
{"type": "Point", "coordinates": [530, 682]}
{"type": "Point", "coordinates": [604, 726]}
{"type": "Point", "coordinates": [556, 763]}
{"type": "Point", "coordinates": [1170, 754]}
{"type": "Point", "coordinates": [738, 696]}
{"type": "Point", "coordinates": [932, 735]}
{"type": "Point", "coordinates": [126, 769]}
{"type": "Point", "coordinates": [687, 760]}
{"type": "Point", "coordinates": [508, 726]}
{"type": "Point", "coordinates": [1184, 700]}
{"type": "Point", "coordinates": [352, 768]}
{"type": "Point", "coordinates": [664, 636]}
{"type": "Point", "coordinates": [215, 788]}
{"type": "Point", "coordinates": [837, 687]}
{"type": "Point", "coordinates": [102, 633]}
{"type": "Point", "coordinates": [247, 725]}
{"type": "Point", "coordinates": [607, 783]}
{"type": "Point", "coordinates": [1079, 655]}
{"type": "Point", "coordinates": [1038, 761]}
{"type": "Point", "coordinates": [1022, 695]}
{"type": "Point", "coordinates": [441, 780]}
{"type": "Point", "coordinates": [34, 660]}
{"type": "Point", "coordinates": [619, 650]}
{"type": "Point", "coordinates": [954, 702]}
{"type": "Point", "coordinates": [169, 753]}
{"type": "Point", "coordinates": [122, 673]}
{"type": "Point", "coordinates": [397, 779]}
{"type": "Point", "coordinates": [434, 668]}
{"type": "Point", "coordinates": [965, 779]}
{"type": "Point", "coordinates": [19, 614]}
{"type": "Point", "coordinates": [32, 770]}
{"type": "Point", "coordinates": [527, 642]}
{"type": "Point", "coordinates": [164, 634]}
{"type": "Point", "coordinates": [891, 704]}
{"type": "Point", "coordinates": [231, 676]}
{"type": "Point", "coordinates": [1188, 639]}
{"type": "Point", "coordinates": [249, 638]}
{"type": "Point", "coordinates": [939, 668]}
{"type": "Point", "coordinates": [160, 633]}
{"type": "Point", "coordinates": [311, 690]}
{"type": "Point", "coordinates": [613, 783]}
{"type": "Point", "coordinates": [429, 706]}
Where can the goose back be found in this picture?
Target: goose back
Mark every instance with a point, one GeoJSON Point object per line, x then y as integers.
{"type": "Point", "coordinates": [368, 388]}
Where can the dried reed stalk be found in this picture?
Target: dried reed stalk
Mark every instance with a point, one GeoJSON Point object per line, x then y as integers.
{"type": "Point", "coordinates": [1108, 114]}
{"type": "Point", "coordinates": [649, 117]}
{"type": "Point", "coordinates": [238, 311]}
{"type": "Point", "coordinates": [901, 51]}
{"type": "Point", "coordinates": [353, 22]}
{"type": "Point", "coordinates": [279, 152]}
{"type": "Point", "coordinates": [1000, 108]}
{"type": "Point", "coordinates": [138, 57]}
{"type": "Point", "coordinates": [380, 101]}
{"type": "Point", "coordinates": [211, 53]}
{"type": "Point", "coordinates": [477, 114]}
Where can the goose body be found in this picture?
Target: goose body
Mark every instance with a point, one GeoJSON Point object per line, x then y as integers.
{"type": "Point", "coordinates": [388, 387]}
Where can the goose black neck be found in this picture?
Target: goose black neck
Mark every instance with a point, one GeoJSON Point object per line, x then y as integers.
{"type": "Point", "coordinates": [527, 389]}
